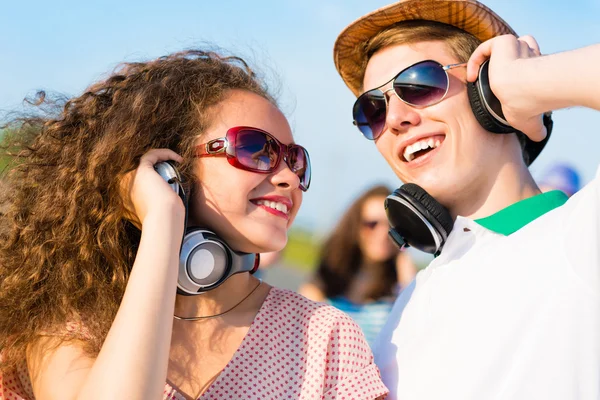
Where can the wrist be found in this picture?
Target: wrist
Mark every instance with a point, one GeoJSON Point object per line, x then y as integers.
{"type": "Point", "coordinates": [165, 219]}
{"type": "Point", "coordinates": [544, 81]}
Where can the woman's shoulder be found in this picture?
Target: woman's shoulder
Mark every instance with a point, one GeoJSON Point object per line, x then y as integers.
{"type": "Point", "coordinates": [15, 383]}
{"type": "Point", "coordinates": [285, 298]}
{"type": "Point", "coordinates": [310, 313]}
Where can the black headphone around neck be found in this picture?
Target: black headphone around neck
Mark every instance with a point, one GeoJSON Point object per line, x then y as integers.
{"type": "Point", "coordinates": [205, 260]}
{"type": "Point", "coordinates": [416, 218]}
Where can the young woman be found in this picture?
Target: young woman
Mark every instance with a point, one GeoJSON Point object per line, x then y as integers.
{"type": "Point", "coordinates": [91, 242]}
{"type": "Point", "coordinates": [360, 271]}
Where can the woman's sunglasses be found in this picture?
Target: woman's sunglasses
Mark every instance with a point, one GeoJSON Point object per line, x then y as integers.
{"type": "Point", "coordinates": [421, 85]}
{"type": "Point", "coordinates": [255, 150]}
{"type": "Point", "coordinates": [370, 225]}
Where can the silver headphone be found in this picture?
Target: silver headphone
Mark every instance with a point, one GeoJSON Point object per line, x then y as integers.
{"type": "Point", "coordinates": [205, 260]}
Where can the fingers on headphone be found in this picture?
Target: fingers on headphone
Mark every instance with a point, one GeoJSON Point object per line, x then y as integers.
{"type": "Point", "coordinates": [154, 156]}
{"type": "Point", "coordinates": [535, 129]}
{"type": "Point", "coordinates": [532, 46]}
{"type": "Point", "coordinates": [484, 52]}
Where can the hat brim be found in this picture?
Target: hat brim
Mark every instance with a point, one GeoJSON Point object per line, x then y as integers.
{"type": "Point", "coordinates": [468, 15]}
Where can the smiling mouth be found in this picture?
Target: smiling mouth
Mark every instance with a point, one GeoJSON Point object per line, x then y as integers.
{"type": "Point", "coordinates": [273, 205]}
{"type": "Point", "coordinates": [422, 147]}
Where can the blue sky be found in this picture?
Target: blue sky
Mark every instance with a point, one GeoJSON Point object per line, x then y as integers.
{"type": "Point", "coordinates": [63, 46]}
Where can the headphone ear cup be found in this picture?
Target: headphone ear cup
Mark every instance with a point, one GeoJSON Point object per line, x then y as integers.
{"type": "Point", "coordinates": [535, 148]}
{"type": "Point", "coordinates": [204, 262]}
{"type": "Point", "coordinates": [418, 219]}
{"type": "Point", "coordinates": [483, 116]}
{"type": "Point", "coordinates": [423, 199]}
{"type": "Point", "coordinates": [482, 100]}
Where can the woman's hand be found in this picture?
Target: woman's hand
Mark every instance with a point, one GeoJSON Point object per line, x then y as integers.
{"type": "Point", "coordinates": [146, 193]}
{"type": "Point", "coordinates": [510, 60]}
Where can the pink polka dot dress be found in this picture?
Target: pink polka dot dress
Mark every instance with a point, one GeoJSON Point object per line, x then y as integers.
{"type": "Point", "coordinates": [294, 349]}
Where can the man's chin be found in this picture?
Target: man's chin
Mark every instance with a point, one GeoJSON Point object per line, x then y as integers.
{"type": "Point", "coordinates": [440, 191]}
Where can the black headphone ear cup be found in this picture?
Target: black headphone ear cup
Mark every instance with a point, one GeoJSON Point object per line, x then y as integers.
{"type": "Point", "coordinates": [427, 203]}
{"type": "Point", "coordinates": [417, 219]}
{"type": "Point", "coordinates": [535, 148]}
{"type": "Point", "coordinates": [491, 124]}
{"type": "Point", "coordinates": [483, 116]}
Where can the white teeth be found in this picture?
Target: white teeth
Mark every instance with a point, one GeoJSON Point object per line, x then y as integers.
{"type": "Point", "coordinates": [274, 205]}
{"type": "Point", "coordinates": [410, 150]}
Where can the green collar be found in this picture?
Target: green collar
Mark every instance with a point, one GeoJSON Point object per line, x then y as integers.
{"type": "Point", "coordinates": [516, 216]}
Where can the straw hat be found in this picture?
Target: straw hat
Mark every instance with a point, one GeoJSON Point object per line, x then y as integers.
{"type": "Point", "coordinates": [468, 15]}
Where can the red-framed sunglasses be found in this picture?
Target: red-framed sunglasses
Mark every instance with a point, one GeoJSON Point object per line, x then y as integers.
{"type": "Point", "coordinates": [255, 150]}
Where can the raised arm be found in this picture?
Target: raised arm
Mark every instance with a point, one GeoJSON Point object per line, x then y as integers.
{"type": "Point", "coordinates": [528, 84]}
{"type": "Point", "coordinates": [133, 360]}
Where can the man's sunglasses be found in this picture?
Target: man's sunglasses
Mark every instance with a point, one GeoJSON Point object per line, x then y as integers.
{"type": "Point", "coordinates": [255, 150]}
{"type": "Point", "coordinates": [421, 85]}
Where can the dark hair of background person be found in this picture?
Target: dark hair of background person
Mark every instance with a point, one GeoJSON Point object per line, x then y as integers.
{"type": "Point", "coordinates": [341, 257]}
{"type": "Point", "coordinates": [66, 247]}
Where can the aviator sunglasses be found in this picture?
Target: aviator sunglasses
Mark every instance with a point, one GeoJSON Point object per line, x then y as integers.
{"type": "Point", "coordinates": [420, 85]}
{"type": "Point", "coordinates": [255, 150]}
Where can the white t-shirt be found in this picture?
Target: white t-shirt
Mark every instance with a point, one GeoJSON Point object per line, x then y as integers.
{"type": "Point", "coordinates": [511, 311]}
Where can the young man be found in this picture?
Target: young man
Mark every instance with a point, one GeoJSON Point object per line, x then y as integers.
{"type": "Point", "coordinates": [510, 309]}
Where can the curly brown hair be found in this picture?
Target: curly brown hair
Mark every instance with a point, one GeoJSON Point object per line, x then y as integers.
{"type": "Point", "coordinates": [66, 248]}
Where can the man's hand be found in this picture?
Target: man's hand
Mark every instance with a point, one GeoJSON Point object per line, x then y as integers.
{"type": "Point", "coordinates": [509, 58]}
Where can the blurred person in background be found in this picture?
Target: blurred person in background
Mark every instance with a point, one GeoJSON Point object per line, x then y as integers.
{"type": "Point", "coordinates": [561, 177]}
{"type": "Point", "coordinates": [360, 270]}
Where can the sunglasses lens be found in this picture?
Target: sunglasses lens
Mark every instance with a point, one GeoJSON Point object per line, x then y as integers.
{"type": "Point", "coordinates": [299, 163]}
{"type": "Point", "coordinates": [370, 224]}
{"type": "Point", "coordinates": [423, 84]}
{"type": "Point", "coordinates": [258, 151]}
{"type": "Point", "coordinates": [255, 150]}
{"type": "Point", "coordinates": [369, 113]}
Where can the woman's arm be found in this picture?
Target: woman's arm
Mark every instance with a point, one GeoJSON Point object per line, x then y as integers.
{"type": "Point", "coordinates": [133, 360]}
